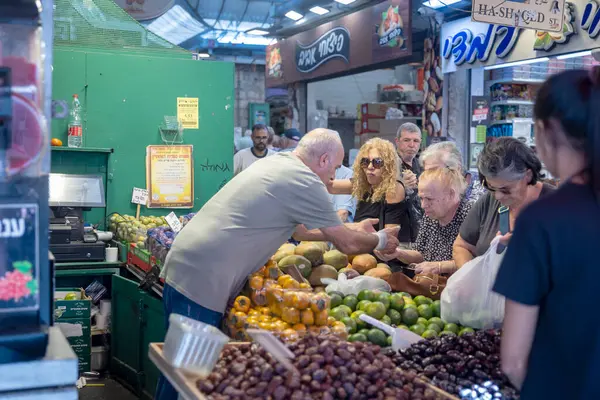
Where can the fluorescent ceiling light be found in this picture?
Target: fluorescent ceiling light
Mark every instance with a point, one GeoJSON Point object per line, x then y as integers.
{"type": "Point", "coordinates": [439, 3]}
{"type": "Point", "coordinates": [573, 55]}
{"type": "Point", "coordinates": [514, 64]}
{"type": "Point", "coordinates": [345, 2]}
{"type": "Point", "coordinates": [203, 55]}
{"type": "Point", "coordinates": [257, 32]}
{"type": "Point", "coordinates": [293, 15]}
{"type": "Point", "coordinates": [241, 38]}
{"type": "Point", "coordinates": [319, 10]}
{"type": "Point", "coordinates": [176, 25]}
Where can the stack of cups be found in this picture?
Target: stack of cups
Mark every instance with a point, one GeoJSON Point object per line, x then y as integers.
{"type": "Point", "coordinates": [103, 317]}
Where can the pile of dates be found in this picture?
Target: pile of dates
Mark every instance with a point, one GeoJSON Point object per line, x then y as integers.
{"type": "Point", "coordinates": [327, 368]}
{"type": "Point", "coordinates": [453, 363]}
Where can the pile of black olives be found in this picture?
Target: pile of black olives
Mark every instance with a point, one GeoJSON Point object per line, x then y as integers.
{"type": "Point", "coordinates": [456, 363]}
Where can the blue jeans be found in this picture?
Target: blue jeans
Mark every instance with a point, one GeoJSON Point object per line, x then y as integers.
{"type": "Point", "coordinates": [177, 303]}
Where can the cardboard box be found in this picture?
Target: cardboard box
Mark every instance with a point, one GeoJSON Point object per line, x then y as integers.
{"type": "Point", "coordinates": [370, 125]}
{"type": "Point", "coordinates": [373, 110]}
{"type": "Point", "coordinates": [366, 136]}
{"type": "Point", "coordinates": [80, 307]}
{"type": "Point", "coordinates": [78, 331]}
{"type": "Point", "coordinates": [390, 126]}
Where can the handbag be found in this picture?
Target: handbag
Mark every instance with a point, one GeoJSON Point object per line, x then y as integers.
{"type": "Point", "coordinates": [428, 285]}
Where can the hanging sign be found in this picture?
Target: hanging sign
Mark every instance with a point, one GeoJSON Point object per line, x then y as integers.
{"type": "Point", "coordinates": [370, 36]}
{"type": "Point", "coordinates": [333, 44]}
{"type": "Point", "coordinates": [170, 176]}
{"type": "Point", "coordinates": [542, 15]}
{"type": "Point", "coordinates": [481, 110]}
{"type": "Point", "coordinates": [187, 112]}
{"type": "Point", "coordinates": [467, 44]}
{"type": "Point", "coordinates": [173, 222]}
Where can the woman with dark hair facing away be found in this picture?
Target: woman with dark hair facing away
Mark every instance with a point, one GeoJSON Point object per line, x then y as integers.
{"type": "Point", "coordinates": [510, 171]}
{"type": "Point", "coordinates": [551, 340]}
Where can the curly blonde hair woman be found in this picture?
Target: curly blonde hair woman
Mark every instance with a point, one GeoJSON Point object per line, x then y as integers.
{"type": "Point", "coordinates": [379, 193]}
{"type": "Point", "coordinates": [361, 187]}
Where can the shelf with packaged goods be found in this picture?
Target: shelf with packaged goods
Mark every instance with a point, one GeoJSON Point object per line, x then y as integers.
{"type": "Point", "coordinates": [512, 121]}
{"type": "Point", "coordinates": [511, 103]}
{"type": "Point", "coordinates": [82, 149]}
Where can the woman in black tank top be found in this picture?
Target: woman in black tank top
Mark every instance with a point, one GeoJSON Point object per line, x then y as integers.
{"type": "Point", "coordinates": [382, 196]}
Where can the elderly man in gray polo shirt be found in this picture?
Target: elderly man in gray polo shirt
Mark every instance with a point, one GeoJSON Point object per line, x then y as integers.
{"type": "Point", "coordinates": [242, 225]}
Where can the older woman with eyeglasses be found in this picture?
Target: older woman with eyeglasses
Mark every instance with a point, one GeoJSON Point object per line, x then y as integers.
{"type": "Point", "coordinates": [511, 173]}
{"type": "Point", "coordinates": [379, 192]}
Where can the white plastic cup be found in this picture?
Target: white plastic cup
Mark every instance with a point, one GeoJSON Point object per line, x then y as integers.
{"type": "Point", "coordinates": [105, 307]}
{"type": "Point", "coordinates": [111, 254]}
{"type": "Point", "coordinates": [101, 321]}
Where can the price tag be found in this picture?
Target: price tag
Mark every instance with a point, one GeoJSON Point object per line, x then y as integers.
{"type": "Point", "coordinates": [139, 196]}
{"type": "Point", "coordinates": [174, 222]}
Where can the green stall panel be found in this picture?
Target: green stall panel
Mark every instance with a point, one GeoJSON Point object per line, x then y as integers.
{"type": "Point", "coordinates": [153, 331]}
{"type": "Point", "coordinates": [126, 97]}
{"type": "Point", "coordinates": [126, 331]}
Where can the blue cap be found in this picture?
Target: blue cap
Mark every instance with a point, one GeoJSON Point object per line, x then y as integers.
{"type": "Point", "coordinates": [293, 134]}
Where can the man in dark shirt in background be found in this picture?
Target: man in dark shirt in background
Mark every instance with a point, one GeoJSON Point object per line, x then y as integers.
{"type": "Point", "coordinates": [408, 143]}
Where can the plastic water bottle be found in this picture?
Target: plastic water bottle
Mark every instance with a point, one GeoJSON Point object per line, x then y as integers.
{"type": "Point", "coordinates": [75, 126]}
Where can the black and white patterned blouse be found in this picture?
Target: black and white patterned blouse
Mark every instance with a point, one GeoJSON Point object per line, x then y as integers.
{"type": "Point", "coordinates": [435, 241]}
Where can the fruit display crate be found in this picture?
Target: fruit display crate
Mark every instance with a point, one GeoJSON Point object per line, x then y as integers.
{"type": "Point", "coordinates": [139, 257]}
{"type": "Point", "coordinates": [186, 383]}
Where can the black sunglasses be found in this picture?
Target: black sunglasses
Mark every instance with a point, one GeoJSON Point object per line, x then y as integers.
{"type": "Point", "coordinates": [377, 162]}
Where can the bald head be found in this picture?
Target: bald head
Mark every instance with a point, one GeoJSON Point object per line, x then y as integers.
{"type": "Point", "coordinates": [322, 151]}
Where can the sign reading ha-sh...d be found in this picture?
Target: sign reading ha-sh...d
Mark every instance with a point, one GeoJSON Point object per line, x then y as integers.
{"type": "Point", "coordinates": [545, 15]}
{"type": "Point", "coordinates": [333, 44]}
{"type": "Point", "coordinates": [468, 44]}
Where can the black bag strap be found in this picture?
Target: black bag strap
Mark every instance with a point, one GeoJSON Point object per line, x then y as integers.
{"type": "Point", "coordinates": [382, 214]}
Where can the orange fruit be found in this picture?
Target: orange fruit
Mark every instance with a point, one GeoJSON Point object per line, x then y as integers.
{"type": "Point", "coordinates": [56, 142]}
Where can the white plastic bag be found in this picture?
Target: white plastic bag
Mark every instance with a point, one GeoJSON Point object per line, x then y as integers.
{"type": "Point", "coordinates": [468, 298]}
{"type": "Point", "coordinates": [354, 286]}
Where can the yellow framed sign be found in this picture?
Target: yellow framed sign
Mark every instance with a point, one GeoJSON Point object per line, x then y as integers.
{"type": "Point", "coordinates": [170, 176]}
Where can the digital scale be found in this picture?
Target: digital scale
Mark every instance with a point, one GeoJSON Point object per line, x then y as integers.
{"type": "Point", "coordinates": [70, 195]}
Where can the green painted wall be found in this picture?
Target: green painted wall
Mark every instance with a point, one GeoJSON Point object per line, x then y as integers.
{"type": "Point", "coordinates": [125, 97]}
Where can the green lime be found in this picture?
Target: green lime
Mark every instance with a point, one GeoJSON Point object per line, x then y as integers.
{"type": "Point", "coordinates": [389, 340]}
{"type": "Point", "coordinates": [335, 300]}
{"type": "Point", "coordinates": [434, 327]}
{"type": "Point", "coordinates": [360, 324]}
{"type": "Point", "coordinates": [429, 334]}
{"type": "Point", "coordinates": [424, 311]}
{"type": "Point", "coordinates": [451, 327]}
{"type": "Point", "coordinates": [465, 330]}
{"type": "Point", "coordinates": [410, 316]}
{"type": "Point", "coordinates": [437, 321]}
{"type": "Point", "coordinates": [436, 307]}
{"type": "Point", "coordinates": [347, 309]}
{"type": "Point", "coordinates": [396, 302]}
{"type": "Point", "coordinates": [338, 313]}
{"type": "Point", "coordinates": [366, 295]}
{"type": "Point", "coordinates": [384, 298]}
{"type": "Point", "coordinates": [362, 304]}
{"type": "Point", "coordinates": [386, 320]}
{"type": "Point", "coordinates": [376, 310]}
{"type": "Point", "coordinates": [422, 321]}
{"type": "Point", "coordinates": [395, 316]}
{"type": "Point", "coordinates": [404, 294]}
{"type": "Point", "coordinates": [409, 305]}
{"type": "Point", "coordinates": [336, 293]}
{"type": "Point", "coordinates": [404, 327]}
{"type": "Point", "coordinates": [423, 300]}
{"type": "Point", "coordinates": [350, 324]}
{"type": "Point", "coordinates": [447, 333]}
{"type": "Point", "coordinates": [71, 296]}
{"type": "Point", "coordinates": [350, 301]}
{"type": "Point", "coordinates": [364, 332]}
{"type": "Point", "coordinates": [377, 336]}
{"type": "Point", "coordinates": [357, 337]}
{"type": "Point", "coordinates": [418, 329]}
